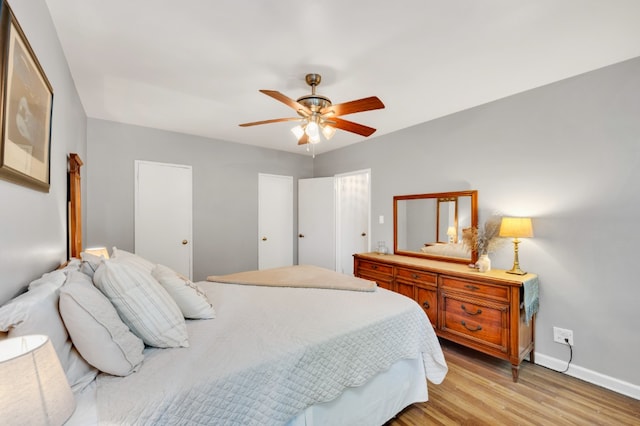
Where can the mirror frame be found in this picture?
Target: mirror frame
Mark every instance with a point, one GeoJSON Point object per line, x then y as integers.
{"type": "Point", "coordinates": [438, 195]}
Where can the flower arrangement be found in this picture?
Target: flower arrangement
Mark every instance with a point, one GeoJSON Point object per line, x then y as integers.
{"type": "Point", "coordinates": [484, 239]}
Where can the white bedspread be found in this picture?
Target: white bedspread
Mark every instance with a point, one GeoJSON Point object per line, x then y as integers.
{"type": "Point", "coordinates": [269, 354]}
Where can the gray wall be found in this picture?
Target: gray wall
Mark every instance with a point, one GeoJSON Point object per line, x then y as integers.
{"type": "Point", "coordinates": [568, 155]}
{"type": "Point", "coordinates": [33, 236]}
{"type": "Point", "coordinates": [225, 190]}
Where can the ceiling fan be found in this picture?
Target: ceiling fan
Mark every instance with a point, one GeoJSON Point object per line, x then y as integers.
{"type": "Point", "coordinates": [318, 115]}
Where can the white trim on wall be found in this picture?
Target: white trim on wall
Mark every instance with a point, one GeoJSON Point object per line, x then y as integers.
{"type": "Point", "coordinates": [593, 377]}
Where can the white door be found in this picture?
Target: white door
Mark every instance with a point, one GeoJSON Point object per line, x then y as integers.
{"type": "Point", "coordinates": [163, 214]}
{"type": "Point", "coordinates": [353, 217]}
{"type": "Point", "coordinates": [316, 222]}
{"type": "Point", "coordinates": [275, 221]}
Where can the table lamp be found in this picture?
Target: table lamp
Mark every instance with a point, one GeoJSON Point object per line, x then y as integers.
{"type": "Point", "coordinates": [98, 251]}
{"type": "Point", "coordinates": [516, 227]}
{"type": "Point", "coordinates": [451, 233]}
{"type": "Point", "coordinates": [33, 386]}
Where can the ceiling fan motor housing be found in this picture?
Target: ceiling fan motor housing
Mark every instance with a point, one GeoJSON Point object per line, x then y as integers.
{"type": "Point", "coordinates": [314, 101]}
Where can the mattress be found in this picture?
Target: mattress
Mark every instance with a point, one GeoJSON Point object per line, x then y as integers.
{"type": "Point", "coordinates": [272, 354]}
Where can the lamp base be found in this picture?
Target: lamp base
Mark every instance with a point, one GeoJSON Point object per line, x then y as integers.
{"type": "Point", "coordinates": [516, 271]}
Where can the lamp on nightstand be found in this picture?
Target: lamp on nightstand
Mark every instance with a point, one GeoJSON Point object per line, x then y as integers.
{"type": "Point", "coordinates": [516, 227]}
{"type": "Point", "coordinates": [98, 251]}
{"type": "Point", "coordinates": [451, 233]}
{"type": "Point", "coordinates": [33, 386]}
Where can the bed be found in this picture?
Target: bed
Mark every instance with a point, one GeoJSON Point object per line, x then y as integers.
{"type": "Point", "coordinates": [447, 249]}
{"type": "Point", "coordinates": [141, 344]}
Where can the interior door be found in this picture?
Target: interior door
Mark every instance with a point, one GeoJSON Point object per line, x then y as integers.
{"type": "Point", "coordinates": [353, 217]}
{"type": "Point", "coordinates": [316, 222]}
{"type": "Point", "coordinates": [163, 214]}
{"type": "Point", "coordinates": [275, 221]}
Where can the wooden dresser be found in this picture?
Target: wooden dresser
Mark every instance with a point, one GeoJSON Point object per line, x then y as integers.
{"type": "Point", "coordinates": [483, 311]}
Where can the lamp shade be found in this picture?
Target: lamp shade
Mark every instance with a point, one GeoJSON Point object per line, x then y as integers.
{"type": "Point", "coordinates": [516, 227]}
{"type": "Point", "coordinates": [98, 251]}
{"type": "Point", "coordinates": [33, 386]}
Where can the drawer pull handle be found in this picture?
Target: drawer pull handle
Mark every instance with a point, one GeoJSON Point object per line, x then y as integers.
{"type": "Point", "coordinates": [374, 266]}
{"type": "Point", "coordinates": [471, 287]}
{"type": "Point", "coordinates": [426, 305]}
{"type": "Point", "coordinates": [478, 328]}
{"type": "Point", "coordinates": [415, 276]}
{"type": "Point", "coordinates": [464, 308]}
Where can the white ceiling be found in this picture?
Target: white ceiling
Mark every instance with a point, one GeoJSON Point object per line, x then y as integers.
{"type": "Point", "coordinates": [195, 66]}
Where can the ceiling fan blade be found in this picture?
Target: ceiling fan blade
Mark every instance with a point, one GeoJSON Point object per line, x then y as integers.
{"type": "Point", "coordinates": [303, 139]}
{"type": "Point", "coordinates": [275, 120]}
{"type": "Point", "coordinates": [286, 100]}
{"type": "Point", "coordinates": [352, 127]}
{"type": "Point", "coordinates": [360, 105]}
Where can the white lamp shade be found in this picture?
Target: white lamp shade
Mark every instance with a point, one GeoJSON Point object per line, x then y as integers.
{"type": "Point", "coordinates": [33, 386]}
{"type": "Point", "coordinates": [298, 131]}
{"type": "Point", "coordinates": [98, 251]}
{"type": "Point", "coordinates": [328, 131]}
{"type": "Point", "coordinates": [312, 130]}
{"type": "Point", "coordinates": [516, 227]}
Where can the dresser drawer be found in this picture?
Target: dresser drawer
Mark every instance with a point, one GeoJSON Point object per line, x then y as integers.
{"type": "Point", "coordinates": [378, 268]}
{"type": "Point", "coordinates": [416, 276]}
{"type": "Point", "coordinates": [475, 288]}
{"type": "Point", "coordinates": [382, 281]}
{"type": "Point", "coordinates": [485, 323]}
{"type": "Point", "coordinates": [427, 297]}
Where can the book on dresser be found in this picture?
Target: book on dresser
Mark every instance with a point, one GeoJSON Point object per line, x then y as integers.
{"type": "Point", "coordinates": [492, 312]}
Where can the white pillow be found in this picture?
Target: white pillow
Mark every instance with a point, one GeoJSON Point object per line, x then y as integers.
{"type": "Point", "coordinates": [143, 304]}
{"type": "Point", "coordinates": [96, 329]}
{"type": "Point", "coordinates": [36, 312]}
{"type": "Point", "coordinates": [56, 278]}
{"type": "Point", "coordinates": [90, 263]}
{"type": "Point", "coordinates": [72, 265]}
{"type": "Point", "coordinates": [131, 259]}
{"type": "Point", "coordinates": [191, 300]}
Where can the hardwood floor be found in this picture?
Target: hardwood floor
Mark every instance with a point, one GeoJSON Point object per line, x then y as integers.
{"type": "Point", "coordinates": [478, 390]}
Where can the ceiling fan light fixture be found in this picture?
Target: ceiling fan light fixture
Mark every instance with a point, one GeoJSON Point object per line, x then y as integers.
{"type": "Point", "coordinates": [312, 130]}
{"type": "Point", "coordinates": [298, 131]}
{"type": "Point", "coordinates": [315, 138]}
{"type": "Point", "coordinates": [328, 131]}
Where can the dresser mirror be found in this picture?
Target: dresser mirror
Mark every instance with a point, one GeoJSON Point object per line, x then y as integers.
{"type": "Point", "coordinates": [431, 225]}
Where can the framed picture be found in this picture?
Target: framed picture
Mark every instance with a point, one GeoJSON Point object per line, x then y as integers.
{"type": "Point", "coordinates": [25, 109]}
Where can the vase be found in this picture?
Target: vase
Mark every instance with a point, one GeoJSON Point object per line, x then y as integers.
{"type": "Point", "coordinates": [484, 263]}
{"type": "Point", "coordinates": [382, 247]}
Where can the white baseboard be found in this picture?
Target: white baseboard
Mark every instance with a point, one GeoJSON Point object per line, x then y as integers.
{"type": "Point", "coordinates": [590, 376]}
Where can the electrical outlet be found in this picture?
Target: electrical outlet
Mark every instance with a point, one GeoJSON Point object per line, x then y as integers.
{"type": "Point", "coordinates": [560, 334]}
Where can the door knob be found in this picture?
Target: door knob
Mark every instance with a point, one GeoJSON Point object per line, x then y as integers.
{"type": "Point", "coordinates": [364, 234]}
{"type": "Point", "coordinates": [185, 242]}
{"type": "Point", "coordinates": [301, 235]}
{"type": "Point", "coordinates": [264, 238]}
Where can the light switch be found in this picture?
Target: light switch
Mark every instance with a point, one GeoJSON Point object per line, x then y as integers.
{"type": "Point", "coordinates": [381, 220]}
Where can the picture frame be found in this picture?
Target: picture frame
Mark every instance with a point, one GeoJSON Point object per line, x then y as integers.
{"type": "Point", "coordinates": [25, 109]}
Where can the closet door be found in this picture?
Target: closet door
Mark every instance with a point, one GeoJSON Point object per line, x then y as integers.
{"type": "Point", "coordinates": [275, 221]}
{"type": "Point", "coordinates": [163, 214]}
{"type": "Point", "coordinates": [354, 217]}
{"type": "Point", "coordinates": [316, 222]}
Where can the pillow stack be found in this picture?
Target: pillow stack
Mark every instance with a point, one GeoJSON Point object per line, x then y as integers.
{"type": "Point", "coordinates": [100, 313]}
{"type": "Point", "coordinates": [36, 312]}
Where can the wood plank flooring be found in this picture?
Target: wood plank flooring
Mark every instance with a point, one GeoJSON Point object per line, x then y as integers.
{"type": "Point", "coordinates": [478, 390]}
